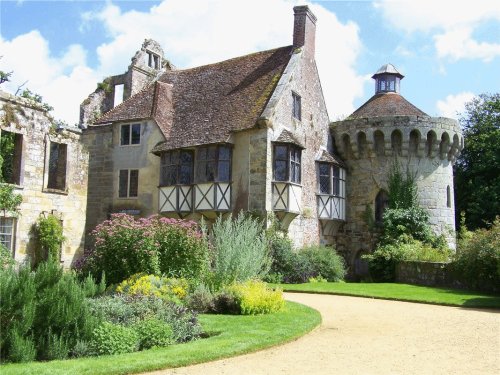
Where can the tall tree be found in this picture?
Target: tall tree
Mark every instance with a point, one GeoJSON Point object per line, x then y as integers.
{"type": "Point", "coordinates": [477, 171]}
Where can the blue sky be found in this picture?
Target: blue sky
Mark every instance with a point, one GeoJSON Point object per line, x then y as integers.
{"type": "Point", "coordinates": [449, 51]}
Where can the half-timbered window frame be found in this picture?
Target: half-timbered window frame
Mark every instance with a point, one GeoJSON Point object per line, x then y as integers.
{"type": "Point", "coordinates": [213, 163]}
{"type": "Point", "coordinates": [177, 168]}
{"type": "Point", "coordinates": [329, 179]}
{"type": "Point", "coordinates": [289, 156]}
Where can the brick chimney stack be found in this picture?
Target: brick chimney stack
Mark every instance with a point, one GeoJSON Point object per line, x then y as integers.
{"type": "Point", "coordinates": [304, 29]}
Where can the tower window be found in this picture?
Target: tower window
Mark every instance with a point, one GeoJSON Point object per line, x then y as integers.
{"type": "Point", "coordinates": [153, 60]}
{"type": "Point", "coordinates": [381, 203]}
{"type": "Point", "coordinates": [296, 106]}
{"type": "Point", "coordinates": [11, 151]}
{"type": "Point", "coordinates": [58, 154]}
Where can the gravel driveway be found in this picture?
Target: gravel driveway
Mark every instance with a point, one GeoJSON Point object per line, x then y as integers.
{"type": "Point", "coordinates": [369, 336]}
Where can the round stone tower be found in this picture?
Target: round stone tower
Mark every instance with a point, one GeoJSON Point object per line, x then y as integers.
{"type": "Point", "coordinates": [388, 129]}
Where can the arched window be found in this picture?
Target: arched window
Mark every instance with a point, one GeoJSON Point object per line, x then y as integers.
{"type": "Point", "coordinates": [362, 144]}
{"type": "Point", "coordinates": [381, 203]}
{"type": "Point", "coordinates": [414, 142]}
{"type": "Point", "coordinates": [378, 138]}
{"type": "Point", "coordinates": [397, 142]}
{"type": "Point", "coordinates": [443, 146]}
{"type": "Point", "coordinates": [346, 145]}
{"type": "Point", "coordinates": [431, 139]}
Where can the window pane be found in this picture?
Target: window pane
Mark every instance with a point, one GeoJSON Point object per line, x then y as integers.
{"type": "Point", "coordinates": [295, 173]}
{"type": "Point", "coordinates": [201, 153]}
{"type": "Point", "coordinates": [324, 184]}
{"type": "Point", "coordinates": [280, 170]}
{"type": "Point", "coordinates": [224, 168]}
{"type": "Point", "coordinates": [136, 134]}
{"type": "Point", "coordinates": [6, 231]}
{"type": "Point", "coordinates": [186, 157]}
{"type": "Point", "coordinates": [210, 173]}
{"type": "Point", "coordinates": [211, 152]}
{"type": "Point", "coordinates": [125, 135]}
{"type": "Point", "coordinates": [186, 175]}
{"type": "Point", "coordinates": [280, 152]}
{"type": "Point", "coordinates": [123, 183]}
{"type": "Point", "coordinates": [324, 169]}
{"type": "Point", "coordinates": [224, 153]}
{"type": "Point", "coordinates": [201, 167]}
{"type": "Point", "coordinates": [336, 180]}
{"type": "Point", "coordinates": [134, 183]}
{"type": "Point", "coordinates": [171, 175]}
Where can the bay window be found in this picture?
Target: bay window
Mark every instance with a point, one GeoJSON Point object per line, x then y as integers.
{"type": "Point", "coordinates": [286, 163]}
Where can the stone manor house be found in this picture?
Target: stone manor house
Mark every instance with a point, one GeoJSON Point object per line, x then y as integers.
{"type": "Point", "coordinates": [250, 133]}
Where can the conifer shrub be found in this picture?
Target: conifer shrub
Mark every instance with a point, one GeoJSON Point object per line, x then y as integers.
{"type": "Point", "coordinates": [109, 338]}
{"type": "Point", "coordinates": [43, 312]}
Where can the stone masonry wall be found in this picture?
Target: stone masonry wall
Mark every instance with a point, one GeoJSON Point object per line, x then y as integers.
{"type": "Point", "coordinates": [311, 131]}
{"type": "Point", "coordinates": [428, 148]}
{"type": "Point", "coordinates": [69, 204]}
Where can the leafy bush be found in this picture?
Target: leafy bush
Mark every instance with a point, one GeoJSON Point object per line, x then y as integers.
{"type": "Point", "coordinates": [225, 303]}
{"type": "Point", "coordinates": [130, 310]}
{"type": "Point", "coordinates": [109, 338]}
{"type": "Point", "coordinates": [9, 201]}
{"type": "Point", "coordinates": [44, 311]}
{"type": "Point", "coordinates": [382, 262]}
{"type": "Point", "coordinates": [240, 251]}
{"type": "Point", "coordinates": [477, 260]}
{"type": "Point", "coordinates": [182, 250]}
{"type": "Point", "coordinates": [153, 332]}
{"type": "Point", "coordinates": [174, 290]}
{"type": "Point", "coordinates": [49, 234]}
{"type": "Point", "coordinates": [254, 297]}
{"type": "Point", "coordinates": [201, 299]}
{"type": "Point", "coordinates": [325, 262]}
{"type": "Point", "coordinates": [6, 259]}
{"type": "Point", "coordinates": [413, 221]}
{"type": "Point", "coordinates": [125, 246]}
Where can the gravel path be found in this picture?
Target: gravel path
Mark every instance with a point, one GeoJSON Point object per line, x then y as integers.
{"type": "Point", "coordinates": [369, 336]}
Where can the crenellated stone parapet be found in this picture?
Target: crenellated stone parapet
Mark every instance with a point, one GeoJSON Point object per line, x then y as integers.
{"type": "Point", "coordinates": [405, 136]}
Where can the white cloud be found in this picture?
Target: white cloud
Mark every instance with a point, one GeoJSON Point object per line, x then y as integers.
{"type": "Point", "coordinates": [453, 105]}
{"type": "Point", "coordinates": [191, 33]}
{"type": "Point", "coordinates": [451, 22]}
{"type": "Point", "coordinates": [63, 82]}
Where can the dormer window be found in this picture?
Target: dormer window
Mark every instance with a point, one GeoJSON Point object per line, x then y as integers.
{"type": "Point", "coordinates": [130, 134]}
{"type": "Point", "coordinates": [153, 60]}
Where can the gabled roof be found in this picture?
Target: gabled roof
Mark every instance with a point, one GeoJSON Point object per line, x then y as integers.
{"type": "Point", "coordinates": [287, 136]}
{"type": "Point", "coordinates": [204, 105]}
{"type": "Point", "coordinates": [326, 157]}
{"type": "Point", "coordinates": [386, 104]}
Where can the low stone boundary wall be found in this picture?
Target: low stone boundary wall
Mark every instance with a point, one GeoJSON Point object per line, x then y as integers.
{"type": "Point", "coordinates": [425, 273]}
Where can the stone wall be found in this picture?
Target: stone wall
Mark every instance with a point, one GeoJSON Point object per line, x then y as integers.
{"type": "Point", "coordinates": [301, 77]}
{"type": "Point", "coordinates": [422, 273]}
{"type": "Point", "coordinates": [428, 147]}
{"type": "Point", "coordinates": [68, 203]}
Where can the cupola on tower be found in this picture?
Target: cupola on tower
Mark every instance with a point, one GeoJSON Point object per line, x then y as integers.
{"type": "Point", "coordinates": [385, 130]}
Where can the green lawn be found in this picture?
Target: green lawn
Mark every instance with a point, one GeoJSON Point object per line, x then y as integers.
{"type": "Point", "coordinates": [401, 292]}
{"type": "Point", "coordinates": [230, 335]}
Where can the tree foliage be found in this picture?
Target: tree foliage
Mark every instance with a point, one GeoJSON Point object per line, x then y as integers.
{"type": "Point", "coordinates": [477, 171]}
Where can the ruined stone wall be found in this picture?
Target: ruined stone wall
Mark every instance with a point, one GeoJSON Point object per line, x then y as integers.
{"type": "Point", "coordinates": [426, 146]}
{"type": "Point", "coordinates": [311, 131]}
{"type": "Point", "coordinates": [69, 203]}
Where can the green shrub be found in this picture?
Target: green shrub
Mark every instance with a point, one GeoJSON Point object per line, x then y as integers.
{"type": "Point", "coordinates": [153, 332]}
{"type": "Point", "coordinates": [46, 307]}
{"type": "Point", "coordinates": [225, 303]}
{"type": "Point", "coordinates": [413, 221]}
{"type": "Point", "coordinates": [174, 290]}
{"type": "Point", "coordinates": [240, 251]}
{"type": "Point", "coordinates": [49, 234]}
{"type": "Point", "coordinates": [6, 259]}
{"type": "Point", "coordinates": [477, 260]}
{"type": "Point", "coordinates": [201, 300]}
{"type": "Point", "coordinates": [130, 310]}
{"type": "Point", "coordinates": [254, 297]}
{"type": "Point", "coordinates": [109, 338]}
{"type": "Point", "coordinates": [325, 262]}
{"type": "Point", "coordinates": [182, 249]}
{"type": "Point", "coordinates": [155, 245]}
{"type": "Point", "coordinates": [382, 262]}
{"type": "Point", "coordinates": [81, 349]}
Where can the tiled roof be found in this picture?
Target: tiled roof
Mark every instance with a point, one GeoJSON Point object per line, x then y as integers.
{"type": "Point", "coordinates": [288, 137]}
{"type": "Point", "coordinates": [386, 104]}
{"type": "Point", "coordinates": [330, 158]}
{"type": "Point", "coordinates": [204, 105]}
{"type": "Point", "coordinates": [387, 69]}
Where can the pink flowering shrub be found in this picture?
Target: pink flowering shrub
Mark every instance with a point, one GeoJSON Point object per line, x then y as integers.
{"type": "Point", "coordinates": [125, 246]}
